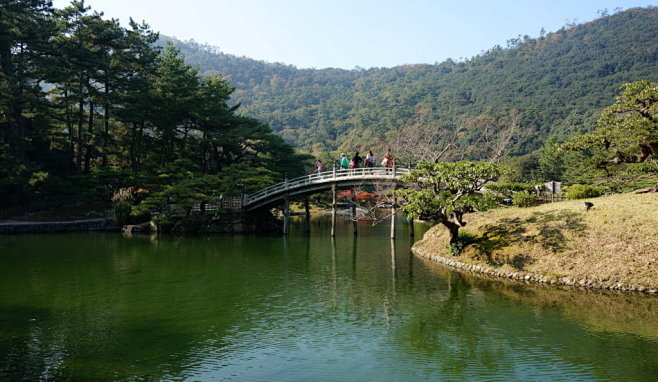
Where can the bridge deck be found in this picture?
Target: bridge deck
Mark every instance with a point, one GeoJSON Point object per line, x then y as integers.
{"type": "Point", "coordinates": [321, 181]}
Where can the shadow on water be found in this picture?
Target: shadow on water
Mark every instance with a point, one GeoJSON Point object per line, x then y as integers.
{"type": "Point", "coordinates": [550, 235]}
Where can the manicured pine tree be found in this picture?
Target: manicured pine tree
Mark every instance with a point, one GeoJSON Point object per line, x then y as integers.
{"type": "Point", "coordinates": [74, 74]}
{"type": "Point", "coordinates": [175, 97]}
{"type": "Point", "coordinates": [136, 96]}
{"type": "Point", "coordinates": [25, 29]}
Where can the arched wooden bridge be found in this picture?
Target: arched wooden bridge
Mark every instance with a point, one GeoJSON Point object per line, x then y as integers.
{"type": "Point", "coordinates": [320, 182]}
{"type": "Point", "coordinates": [324, 181]}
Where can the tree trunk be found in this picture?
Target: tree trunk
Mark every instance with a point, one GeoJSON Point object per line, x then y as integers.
{"type": "Point", "coordinates": [5, 58]}
{"type": "Point", "coordinates": [203, 149]}
{"type": "Point", "coordinates": [163, 147]}
{"type": "Point", "coordinates": [90, 134]}
{"type": "Point", "coordinates": [135, 145]}
{"type": "Point", "coordinates": [140, 145]}
{"type": "Point", "coordinates": [131, 145]}
{"type": "Point", "coordinates": [81, 114]}
{"type": "Point", "coordinates": [106, 125]}
{"type": "Point", "coordinates": [69, 127]}
{"type": "Point", "coordinates": [186, 128]}
{"type": "Point", "coordinates": [216, 157]}
{"type": "Point", "coordinates": [7, 67]}
{"type": "Point", "coordinates": [453, 228]}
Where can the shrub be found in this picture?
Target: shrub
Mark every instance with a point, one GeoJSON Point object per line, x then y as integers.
{"type": "Point", "coordinates": [166, 224]}
{"type": "Point", "coordinates": [582, 191]}
{"type": "Point", "coordinates": [464, 239]}
{"type": "Point", "coordinates": [524, 199]}
{"type": "Point", "coordinates": [122, 201]}
{"type": "Point", "coordinates": [509, 189]}
{"type": "Point", "coordinates": [138, 216]}
{"type": "Point", "coordinates": [121, 212]}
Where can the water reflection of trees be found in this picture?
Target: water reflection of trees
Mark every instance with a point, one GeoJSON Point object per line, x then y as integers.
{"type": "Point", "coordinates": [186, 301]}
{"type": "Point", "coordinates": [140, 313]}
{"type": "Point", "coordinates": [491, 323]}
{"type": "Point", "coordinates": [610, 311]}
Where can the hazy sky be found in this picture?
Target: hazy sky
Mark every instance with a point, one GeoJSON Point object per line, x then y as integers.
{"type": "Point", "coordinates": [349, 33]}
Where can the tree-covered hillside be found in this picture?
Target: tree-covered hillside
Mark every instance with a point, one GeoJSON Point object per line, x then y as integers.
{"type": "Point", "coordinates": [88, 107]}
{"type": "Point", "coordinates": [556, 84]}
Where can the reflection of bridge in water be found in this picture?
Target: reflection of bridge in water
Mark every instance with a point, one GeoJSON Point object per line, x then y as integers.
{"type": "Point", "coordinates": [303, 187]}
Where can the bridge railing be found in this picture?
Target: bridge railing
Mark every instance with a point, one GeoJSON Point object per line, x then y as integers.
{"type": "Point", "coordinates": [327, 176]}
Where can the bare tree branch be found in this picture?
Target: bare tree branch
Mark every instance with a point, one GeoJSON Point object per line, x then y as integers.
{"type": "Point", "coordinates": [505, 137]}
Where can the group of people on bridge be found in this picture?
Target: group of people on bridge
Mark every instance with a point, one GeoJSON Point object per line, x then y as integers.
{"type": "Point", "coordinates": [357, 161]}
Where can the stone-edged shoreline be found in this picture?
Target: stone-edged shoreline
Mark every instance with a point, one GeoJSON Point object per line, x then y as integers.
{"type": "Point", "coordinates": [84, 225]}
{"type": "Point", "coordinates": [529, 277]}
{"type": "Point", "coordinates": [228, 223]}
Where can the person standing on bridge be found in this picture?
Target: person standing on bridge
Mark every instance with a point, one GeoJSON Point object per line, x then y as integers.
{"type": "Point", "coordinates": [344, 162]}
{"type": "Point", "coordinates": [356, 160]}
{"type": "Point", "coordinates": [370, 159]}
{"type": "Point", "coordinates": [319, 167]}
{"type": "Point", "coordinates": [388, 160]}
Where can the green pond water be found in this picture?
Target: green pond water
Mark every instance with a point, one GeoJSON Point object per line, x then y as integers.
{"type": "Point", "coordinates": [104, 307]}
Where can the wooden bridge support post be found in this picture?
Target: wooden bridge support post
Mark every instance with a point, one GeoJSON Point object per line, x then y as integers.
{"type": "Point", "coordinates": [308, 215]}
{"type": "Point", "coordinates": [286, 214]}
{"type": "Point", "coordinates": [354, 212]}
{"type": "Point", "coordinates": [286, 205]}
{"type": "Point", "coordinates": [333, 210]}
{"type": "Point", "coordinates": [393, 262]}
{"type": "Point", "coordinates": [393, 219]}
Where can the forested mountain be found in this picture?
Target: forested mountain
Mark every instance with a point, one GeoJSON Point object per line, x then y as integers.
{"type": "Point", "coordinates": [88, 106]}
{"type": "Point", "coordinates": [556, 84]}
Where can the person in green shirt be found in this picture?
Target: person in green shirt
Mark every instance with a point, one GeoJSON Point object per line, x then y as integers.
{"type": "Point", "coordinates": [344, 162]}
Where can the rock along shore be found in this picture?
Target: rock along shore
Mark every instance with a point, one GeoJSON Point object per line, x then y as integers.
{"type": "Point", "coordinates": [529, 277]}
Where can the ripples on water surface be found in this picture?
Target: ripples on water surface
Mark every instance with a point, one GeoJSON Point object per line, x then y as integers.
{"type": "Point", "coordinates": [104, 307]}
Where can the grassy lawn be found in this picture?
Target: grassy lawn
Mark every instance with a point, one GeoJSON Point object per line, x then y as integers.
{"type": "Point", "coordinates": [615, 241]}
